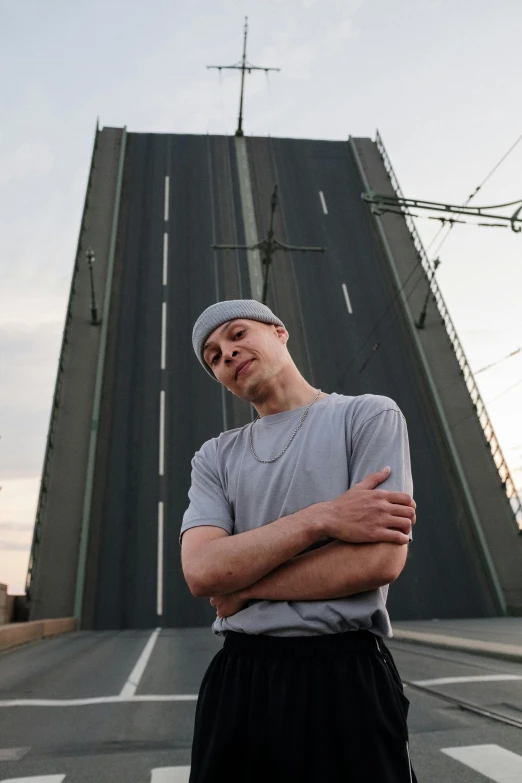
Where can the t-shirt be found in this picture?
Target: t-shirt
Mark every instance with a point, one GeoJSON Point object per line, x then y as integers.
{"type": "Point", "coordinates": [342, 439]}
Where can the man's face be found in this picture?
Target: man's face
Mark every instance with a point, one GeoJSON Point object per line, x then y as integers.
{"type": "Point", "coordinates": [241, 340]}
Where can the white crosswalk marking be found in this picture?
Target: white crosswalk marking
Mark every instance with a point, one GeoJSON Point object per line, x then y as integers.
{"type": "Point", "coordinates": [158, 775]}
{"type": "Point", "coordinates": [36, 779]}
{"type": "Point", "coordinates": [493, 761]}
{"type": "Point", "coordinates": [13, 754]}
{"type": "Point", "coordinates": [170, 775]}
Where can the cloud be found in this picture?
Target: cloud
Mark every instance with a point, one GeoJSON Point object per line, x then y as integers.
{"type": "Point", "coordinates": [29, 364]}
{"type": "Point", "coordinates": [29, 360]}
{"type": "Point", "coordinates": [293, 57]}
{"type": "Point", "coordinates": [13, 546]}
{"type": "Point", "coordinates": [29, 159]}
{"type": "Point", "coordinates": [340, 33]}
{"type": "Point", "coordinates": [347, 6]}
{"type": "Point", "coordinates": [16, 527]}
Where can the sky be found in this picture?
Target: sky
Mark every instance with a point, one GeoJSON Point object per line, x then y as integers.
{"type": "Point", "coordinates": [438, 79]}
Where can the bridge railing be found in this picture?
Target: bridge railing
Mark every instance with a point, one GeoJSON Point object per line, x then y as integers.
{"type": "Point", "coordinates": [467, 373]}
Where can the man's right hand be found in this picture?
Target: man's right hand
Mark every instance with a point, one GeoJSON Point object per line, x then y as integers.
{"type": "Point", "coordinates": [365, 515]}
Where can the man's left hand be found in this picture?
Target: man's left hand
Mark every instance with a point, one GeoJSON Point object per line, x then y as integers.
{"type": "Point", "coordinates": [228, 604]}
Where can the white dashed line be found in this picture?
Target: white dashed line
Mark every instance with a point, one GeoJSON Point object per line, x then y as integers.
{"type": "Point", "coordinates": [167, 186]}
{"type": "Point", "coordinates": [165, 256]}
{"type": "Point", "coordinates": [129, 689]}
{"type": "Point", "coordinates": [163, 335]}
{"type": "Point", "coordinates": [162, 434]}
{"type": "Point", "coordinates": [494, 762]}
{"type": "Point", "coordinates": [159, 595]}
{"type": "Point", "coordinates": [347, 298]}
{"type": "Point", "coordinates": [323, 202]}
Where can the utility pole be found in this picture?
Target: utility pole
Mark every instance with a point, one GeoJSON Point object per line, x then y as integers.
{"type": "Point", "coordinates": [242, 66]}
{"type": "Point", "coordinates": [269, 246]}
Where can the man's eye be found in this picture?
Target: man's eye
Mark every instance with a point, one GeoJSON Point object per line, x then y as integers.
{"type": "Point", "coordinates": [236, 335]}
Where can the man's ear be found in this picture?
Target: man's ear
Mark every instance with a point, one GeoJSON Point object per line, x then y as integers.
{"type": "Point", "coordinates": [282, 331]}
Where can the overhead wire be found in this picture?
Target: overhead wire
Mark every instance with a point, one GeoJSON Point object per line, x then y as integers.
{"type": "Point", "coordinates": [505, 391]}
{"type": "Point", "coordinates": [420, 268]}
{"type": "Point", "coordinates": [494, 364]}
{"type": "Point", "coordinates": [474, 192]}
{"type": "Point", "coordinates": [385, 312]}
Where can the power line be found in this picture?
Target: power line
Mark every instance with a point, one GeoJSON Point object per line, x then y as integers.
{"type": "Point", "coordinates": [380, 319]}
{"type": "Point", "coordinates": [504, 392]}
{"type": "Point", "coordinates": [502, 159]}
{"type": "Point", "coordinates": [452, 222]}
{"type": "Point", "coordinates": [474, 193]}
{"type": "Point", "coordinates": [494, 364]}
{"type": "Point", "coordinates": [474, 414]}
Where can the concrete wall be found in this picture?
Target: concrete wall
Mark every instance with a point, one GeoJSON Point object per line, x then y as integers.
{"type": "Point", "coordinates": [489, 514]}
{"type": "Point", "coordinates": [4, 608]}
{"type": "Point", "coordinates": [53, 564]}
{"type": "Point", "coordinates": [15, 634]}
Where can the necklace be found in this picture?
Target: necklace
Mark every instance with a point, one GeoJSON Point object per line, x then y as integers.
{"type": "Point", "coordinates": [291, 439]}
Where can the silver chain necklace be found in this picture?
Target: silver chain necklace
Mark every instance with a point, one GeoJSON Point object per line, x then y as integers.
{"type": "Point", "coordinates": [291, 439]}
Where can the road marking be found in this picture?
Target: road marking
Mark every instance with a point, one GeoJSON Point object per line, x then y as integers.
{"type": "Point", "coordinates": [348, 303]}
{"type": "Point", "coordinates": [13, 754]}
{"type": "Point", "coordinates": [323, 202]}
{"type": "Point", "coordinates": [158, 775]}
{"type": "Point", "coordinates": [496, 763]}
{"type": "Point", "coordinates": [480, 678]}
{"type": "Point", "coordinates": [36, 779]}
{"type": "Point", "coordinates": [159, 596]}
{"type": "Point", "coordinates": [96, 700]}
{"type": "Point", "coordinates": [162, 433]}
{"type": "Point", "coordinates": [249, 218]}
{"type": "Point", "coordinates": [170, 775]}
{"type": "Point", "coordinates": [165, 256]}
{"type": "Point", "coordinates": [129, 689]}
{"type": "Point", "coordinates": [167, 185]}
{"type": "Point", "coordinates": [163, 335]}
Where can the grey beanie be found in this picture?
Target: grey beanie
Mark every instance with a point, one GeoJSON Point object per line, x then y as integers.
{"type": "Point", "coordinates": [219, 313]}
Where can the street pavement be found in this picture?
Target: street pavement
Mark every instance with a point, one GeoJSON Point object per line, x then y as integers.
{"type": "Point", "coordinates": [119, 706]}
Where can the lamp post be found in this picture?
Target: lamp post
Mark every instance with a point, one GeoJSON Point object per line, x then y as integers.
{"type": "Point", "coordinates": [94, 310]}
{"type": "Point", "coordinates": [422, 318]}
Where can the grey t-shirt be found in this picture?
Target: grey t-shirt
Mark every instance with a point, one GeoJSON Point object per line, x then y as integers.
{"type": "Point", "coordinates": [341, 441]}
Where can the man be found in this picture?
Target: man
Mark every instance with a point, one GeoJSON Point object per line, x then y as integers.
{"type": "Point", "coordinates": [293, 538]}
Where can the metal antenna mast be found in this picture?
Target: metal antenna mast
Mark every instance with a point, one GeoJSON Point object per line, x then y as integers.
{"type": "Point", "coordinates": [242, 66]}
{"type": "Point", "coordinates": [269, 246]}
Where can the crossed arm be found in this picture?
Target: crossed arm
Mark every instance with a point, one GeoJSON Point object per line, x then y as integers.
{"type": "Point", "coordinates": [335, 570]}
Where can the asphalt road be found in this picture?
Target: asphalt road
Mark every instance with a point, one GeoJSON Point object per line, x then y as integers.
{"type": "Point", "coordinates": [142, 717]}
{"type": "Point", "coordinates": [158, 405]}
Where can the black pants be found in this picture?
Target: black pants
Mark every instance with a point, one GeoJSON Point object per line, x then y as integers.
{"type": "Point", "coordinates": [306, 709]}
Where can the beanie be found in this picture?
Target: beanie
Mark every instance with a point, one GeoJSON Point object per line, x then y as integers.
{"type": "Point", "coordinates": [228, 310]}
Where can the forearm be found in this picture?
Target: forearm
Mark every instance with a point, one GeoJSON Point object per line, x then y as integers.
{"type": "Point", "coordinates": [234, 562]}
{"type": "Point", "coordinates": [336, 570]}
